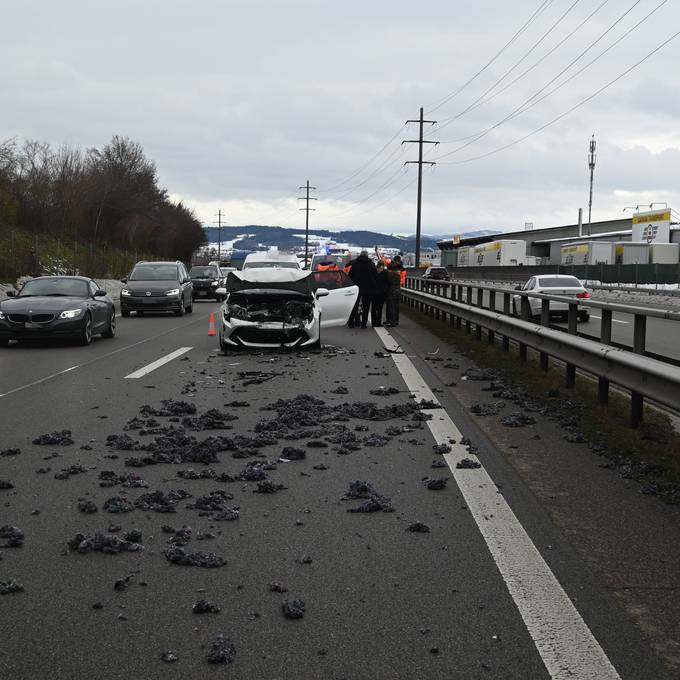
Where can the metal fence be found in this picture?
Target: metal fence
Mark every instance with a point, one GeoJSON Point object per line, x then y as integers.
{"type": "Point", "coordinates": [644, 375]}
{"type": "Point", "coordinates": [634, 274]}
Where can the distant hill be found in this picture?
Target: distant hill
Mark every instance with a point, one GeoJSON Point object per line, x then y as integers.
{"type": "Point", "coordinates": [261, 235]}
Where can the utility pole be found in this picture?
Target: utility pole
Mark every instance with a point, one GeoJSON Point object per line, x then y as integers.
{"type": "Point", "coordinates": [591, 164]}
{"type": "Point", "coordinates": [420, 141]}
{"type": "Point", "coordinates": [219, 237]}
{"type": "Point", "coordinates": [307, 198]}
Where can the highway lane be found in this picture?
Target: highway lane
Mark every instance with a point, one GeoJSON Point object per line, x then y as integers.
{"type": "Point", "coordinates": [663, 336]}
{"type": "Point", "coordinates": [381, 602]}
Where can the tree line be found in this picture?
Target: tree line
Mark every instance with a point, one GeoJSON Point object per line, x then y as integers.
{"type": "Point", "coordinates": [96, 196]}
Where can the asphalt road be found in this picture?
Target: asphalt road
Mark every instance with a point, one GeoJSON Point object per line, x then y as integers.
{"type": "Point", "coordinates": [381, 602]}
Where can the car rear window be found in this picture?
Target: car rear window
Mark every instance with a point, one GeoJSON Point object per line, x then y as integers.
{"type": "Point", "coordinates": [331, 280]}
{"type": "Point", "coordinates": [560, 282]}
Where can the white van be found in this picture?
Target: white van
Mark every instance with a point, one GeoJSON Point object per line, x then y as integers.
{"type": "Point", "coordinates": [271, 259]}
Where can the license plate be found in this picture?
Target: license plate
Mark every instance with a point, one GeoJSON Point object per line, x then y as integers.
{"type": "Point", "coordinates": [202, 292]}
{"type": "Point", "coordinates": [31, 325]}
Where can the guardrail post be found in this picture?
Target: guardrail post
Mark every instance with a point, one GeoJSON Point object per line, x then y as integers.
{"type": "Point", "coordinates": [605, 339]}
{"type": "Point", "coordinates": [545, 321]}
{"type": "Point", "coordinates": [452, 295]}
{"type": "Point", "coordinates": [492, 307]}
{"type": "Point", "coordinates": [480, 303]}
{"type": "Point", "coordinates": [505, 343]}
{"type": "Point", "coordinates": [572, 326]}
{"type": "Point", "coordinates": [637, 403]}
{"type": "Point", "coordinates": [459, 320]}
{"type": "Point", "coordinates": [525, 315]}
{"type": "Point", "coordinates": [468, 300]}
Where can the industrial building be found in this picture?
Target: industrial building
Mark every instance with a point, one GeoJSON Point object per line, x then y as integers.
{"type": "Point", "coordinates": [544, 246]}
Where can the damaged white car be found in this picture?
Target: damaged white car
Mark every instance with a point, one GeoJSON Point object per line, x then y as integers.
{"type": "Point", "coordinates": [283, 307]}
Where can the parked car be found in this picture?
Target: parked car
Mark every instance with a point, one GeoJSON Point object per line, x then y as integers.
{"type": "Point", "coordinates": [57, 306]}
{"type": "Point", "coordinates": [206, 279]}
{"type": "Point", "coordinates": [271, 259]}
{"type": "Point", "coordinates": [283, 307]}
{"type": "Point", "coordinates": [552, 284]}
{"type": "Point", "coordinates": [436, 274]}
{"type": "Point", "coordinates": [157, 287]}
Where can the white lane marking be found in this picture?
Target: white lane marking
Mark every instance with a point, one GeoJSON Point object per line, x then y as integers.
{"type": "Point", "coordinates": [41, 380]}
{"type": "Point", "coordinates": [592, 316]}
{"type": "Point", "coordinates": [158, 363]}
{"type": "Point", "coordinates": [567, 647]}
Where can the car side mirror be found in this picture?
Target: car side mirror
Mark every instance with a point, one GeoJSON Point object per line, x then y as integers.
{"type": "Point", "coordinates": [124, 280]}
{"type": "Point", "coordinates": [322, 292]}
{"type": "Point", "coordinates": [221, 291]}
{"type": "Point", "coordinates": [11, 293]}
{"type": "Point", "coordinates": [186, 280]}
{"type": "Point", "coordinates": [100, 293]}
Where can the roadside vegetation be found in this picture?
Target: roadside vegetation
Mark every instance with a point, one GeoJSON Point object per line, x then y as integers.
{"type": "Point", "coordinates": [654, 443]}
{"type": "Point", "coordinates": [91, 210]}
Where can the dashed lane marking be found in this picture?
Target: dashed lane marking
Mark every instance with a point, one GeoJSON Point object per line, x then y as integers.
{"type": "Point", "coordinates": [565, 643]}
{"type": "Point", "coordinates": [158, 363]}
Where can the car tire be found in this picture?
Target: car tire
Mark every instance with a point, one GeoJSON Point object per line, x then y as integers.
{"type": "Point", "coordinates": [125, 312]}
{"type": "Point", "coordinates": [584, 317]}
{"type": "Point", "coordinates": [190, 308]}
{"type": "Point", "coordinates": [223, 345]}
{"type": "Point", "coordinates": [110, 332]}
{"type": "Point", "coordinates": [86, 331]}
{"type": "Point", "coordinates": [181, 310]}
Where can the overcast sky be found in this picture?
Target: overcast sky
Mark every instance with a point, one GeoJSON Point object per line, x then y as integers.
{"type": "Point", "coordinates": [240, 102]}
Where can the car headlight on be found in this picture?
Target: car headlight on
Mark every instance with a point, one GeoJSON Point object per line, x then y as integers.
{"type": "Point", "coordinates": [71, 314]}
{"type": "Point", "coordinates": [126, 292]}
{"type": "Point", "coordinates": [214, 283]}
{"type": "Point", "coordinates": [2, 315]}
{"type": "Point", "coordinates": [174, 291]}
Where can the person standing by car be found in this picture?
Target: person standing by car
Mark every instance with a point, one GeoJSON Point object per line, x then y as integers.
{"type": "Point", "coordinates": [363, 274]}
{"type": "Point", "coordinates": [382, 286]}
{"type": "Point", "coordinates": [393, 294]}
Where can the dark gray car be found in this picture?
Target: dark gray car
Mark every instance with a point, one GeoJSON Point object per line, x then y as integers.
{"type": "Point", "coordinates": [157, 287]}
{"type": "Point", "coordinates": [57, 306]}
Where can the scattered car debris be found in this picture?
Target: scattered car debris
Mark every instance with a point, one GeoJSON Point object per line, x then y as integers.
{"type": "Point", "coordinates": [60, 438]}
{"type": "Point", "coordinates": [222, 651]}
{"type": "Point", "coordinates": [276, 587]}
{"type": "Point", "coordinates": [293, 609]}
{"type": "Point", "coordinates": [441, 448]}
{"type": "Point", "coordinates": [87, 506]}
{"type": "Point", "coordinates": [9, 587]}
{"type": "Point", "coordinates": [178, 555]}
{"type": "Point", "coordinates": [65, 473]}
{"type": "Point", "coordinates": [14, 537]}
{"type": "Point", "coordinates": [418, 528]}
{"type": "Point", "coordinates": [435, 484]}
{"type": "Point", "coordinates": [169, 657]}
{"type": "Point", "coordinates": [205, 607]}
{"type": "Point", "coordinates": [9, 452]}
{"type": "Point", "coordinates": [106, 543]}
{"type": "Point", "coordinates": [467, 464]}
{"type": "Point", "coordinates": [117, 504]}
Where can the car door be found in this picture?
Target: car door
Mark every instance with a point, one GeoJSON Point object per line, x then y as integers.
{"type": "Point", "coordinates": [98, 307]}
{"type": "Point", "coordinates": [186, 287]}
{"type": "Point", "coordinates": [337, 306]}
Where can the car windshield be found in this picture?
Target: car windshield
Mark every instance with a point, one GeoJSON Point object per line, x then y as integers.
{"type": "Point", "coordinates": [150, 272]}
{"type": "Point", "coordinates": [203, 273]}
{"type": "Point", "coordinates": [331, 280]}
{"type": "Point", "coordinates": [271, 265]}
{"type": "Point", "coordinates": [55, 287]}
{"type": "Point", "coordinates": [560, 282]}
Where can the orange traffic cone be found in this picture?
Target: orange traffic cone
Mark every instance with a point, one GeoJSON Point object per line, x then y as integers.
{"type": "Point", "coordinates": [211, 324]}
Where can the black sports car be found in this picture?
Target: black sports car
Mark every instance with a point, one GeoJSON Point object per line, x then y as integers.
{"type": "Point", "coordinates": [57, 306]}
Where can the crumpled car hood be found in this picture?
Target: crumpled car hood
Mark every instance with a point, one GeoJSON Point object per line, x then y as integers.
{"type": "Point", "coordinates": [278, 279]}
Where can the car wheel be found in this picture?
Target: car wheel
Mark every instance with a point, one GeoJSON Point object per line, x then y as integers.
{"type": "Point", "coordinates": [111, 330]}
{"type": "Point", "coordinates": [125, 312]}
{"type": "Point", "coordinates": [86, 332]}
{"type": "Point", "coordinates": [223, 345]}
{"type": "Point", "coordinates": [190, 308]}
{"type": "Point", "coordinates": [181, 310]}
{"type": "Point", "coordinates": [583, 316]}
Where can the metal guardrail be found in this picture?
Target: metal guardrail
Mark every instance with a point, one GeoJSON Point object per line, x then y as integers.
{"type": "Point", "coordinates": [643, 375]}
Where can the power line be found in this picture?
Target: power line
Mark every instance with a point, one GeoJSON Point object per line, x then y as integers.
{"type": "Point", "coordinates": [456, 92]}
{"type": "Point", "coordinates": [528, 103]}
{"type": "Point", "coordinates": [524, 73]}
{"type": "Point", "coordinates": [571, 110]}
{"type": "Point", "coordinates": [479, 99]}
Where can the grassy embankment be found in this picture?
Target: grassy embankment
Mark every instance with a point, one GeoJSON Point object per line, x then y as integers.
{"type": "Point", "coordinates": [58, 256]}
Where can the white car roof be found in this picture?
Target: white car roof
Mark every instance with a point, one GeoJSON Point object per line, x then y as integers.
{"type": "Point", "coordinates": [270, 257]}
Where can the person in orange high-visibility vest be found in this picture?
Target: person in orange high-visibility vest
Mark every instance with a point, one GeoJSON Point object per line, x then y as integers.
{"type": "Point", "coordinates": [327, 267]}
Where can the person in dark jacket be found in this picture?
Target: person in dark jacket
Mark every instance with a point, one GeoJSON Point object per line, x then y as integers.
{"type": "Point", "coordinates": [382, 286]}
{"type": "Point", "coordinates": [393, 294]}
{"type": "Point", "coordinates": [363, 275]}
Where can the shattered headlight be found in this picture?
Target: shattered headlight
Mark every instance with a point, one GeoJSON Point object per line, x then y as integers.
{"type": "Point", "coordinates": [71, 314]}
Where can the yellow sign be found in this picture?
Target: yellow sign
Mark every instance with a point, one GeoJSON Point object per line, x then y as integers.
{"type": "Point", "coordinates": [644, 218]}
{"type": "Point", "coordinates": [488, 247]}
{"type": "Point", "coordinates": [572, 250]}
